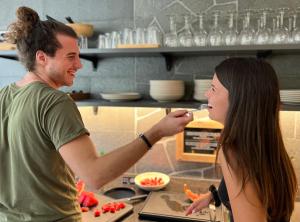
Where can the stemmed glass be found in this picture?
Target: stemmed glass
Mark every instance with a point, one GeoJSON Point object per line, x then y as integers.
{"type": "Point", "coordinates": [186, 38]}
{"type": "Point", "coordinates": [200, 36]}
{"type": "Point", "coordinates": [230, 35]}
{"type": "Point", "coordinates": [281, 33]}
{"type": "Point", "coordinates": [295, 36]}
{"type": "Point", "coordinates": [246, 35]}
{"type": "Point", "coordinates": [215, 34]}
{"type": "Point", "coordinates": [263, 34]}
{"type": "Point", "coordinates": [171, 39]}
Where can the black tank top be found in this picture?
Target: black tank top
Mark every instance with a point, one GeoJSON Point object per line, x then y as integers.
{"type": "Point", "coordinates": [223, 195]}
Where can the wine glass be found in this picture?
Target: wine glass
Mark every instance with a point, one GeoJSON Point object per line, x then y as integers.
{"type": "Point", "coordinates": [186, 38]}
{"type": "Point", "coordinates": [247, 33]}
{"type": "Point", "coordinates": [295, 35]}
{"type": "Point", "coordinates": [215, 34]}
{"type": "Point", "coordinates": [263, 34]}
{"type": "Point", "coordinates": [280, 33]}
{"type": "Point", "coordinates": [171, 39]}
{"type": "Point", "coordinates": [200, 36]}
{"type": "Point", "coordinates": [230, 35]}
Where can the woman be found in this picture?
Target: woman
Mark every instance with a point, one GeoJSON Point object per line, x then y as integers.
{"type": "Point", "coordinates": [257, 172]}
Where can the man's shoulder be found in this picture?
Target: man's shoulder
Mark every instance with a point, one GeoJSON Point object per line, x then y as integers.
{"type": "Point", "coordinates": [45, 91]}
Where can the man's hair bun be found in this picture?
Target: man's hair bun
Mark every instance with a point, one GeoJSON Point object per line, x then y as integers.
{"type": "Point", "coordinates": [27, 19]}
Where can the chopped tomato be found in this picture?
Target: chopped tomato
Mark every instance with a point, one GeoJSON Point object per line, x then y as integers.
{"type": "Point", "coordinates": [152, 181]}
{"type": "Point", "coordinates": [84, 209]}
{"type": "Point", "coordinates": [97, 213]}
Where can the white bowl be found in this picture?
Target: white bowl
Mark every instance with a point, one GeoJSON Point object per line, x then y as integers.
{"type": "Point", "coordinates": [167, 91]}
{"type": "Point", "coordinates": [121, 96]}
{"type": "Point", "coordinates": [151, 175]}
{"type": "Point", "coordinates": [166, 97]}
{"type": "Point", "coordinates": [166, 82]}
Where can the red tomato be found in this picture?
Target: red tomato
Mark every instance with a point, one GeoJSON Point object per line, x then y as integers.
{"type": "Point", "coordinates": [84, 209]}
{"type": "Point", "coordinates": [97, 213]}
{"type": "Point", "coordinates": [152, 181]}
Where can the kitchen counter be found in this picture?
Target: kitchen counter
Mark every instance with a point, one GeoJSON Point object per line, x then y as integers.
{"type": "Point", "coordinates": [175, 185]}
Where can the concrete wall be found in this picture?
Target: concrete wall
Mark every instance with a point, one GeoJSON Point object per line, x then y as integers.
{"type": "Point", "coordinates": [113, 127]}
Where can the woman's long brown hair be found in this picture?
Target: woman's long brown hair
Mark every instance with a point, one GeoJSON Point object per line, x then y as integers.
{"type": "Point", "coordinates": [252, 134]}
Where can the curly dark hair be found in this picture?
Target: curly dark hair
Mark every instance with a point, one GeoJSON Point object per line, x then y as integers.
{"type": "Point", "coordinates": [31, 34]}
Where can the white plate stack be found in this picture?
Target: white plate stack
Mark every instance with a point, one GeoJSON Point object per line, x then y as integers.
{"type": "Point", "coordinates": [166, 90]}
{"type": "Point", "coordinates": [201, 86]}
{"type": "Point", "coordinates": [119, 97]}
{"type": "Point", "coordinates": [290, 96]}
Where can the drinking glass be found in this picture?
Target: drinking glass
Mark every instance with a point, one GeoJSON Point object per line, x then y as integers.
{"type": "Point", "coordinates": [115, 39]}
{"type": "Point", "coordinates": [171, 39]}
{"type": "Point", "coordinates": [215, 34]}
{"type": "Point", "coordinates": [127, 37]}
{"type": "Point", "coordinates": [83, 42]}
{"type": "Point", "coordinates": [200, 36]}
{"type": "Point", "coordinates": [101, 42]}
{"type": "Point", "coordinates": [140, 36]}
{"type": "Point", "coordinates": [186, 38]}
{"type": "Point", "coordinates": [107, 40]}
{"type": "Point", "coordinates": [153, 35]}
{"type": "Point", "coordinates": [230, 35]}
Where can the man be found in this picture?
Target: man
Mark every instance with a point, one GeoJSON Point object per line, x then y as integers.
{"type": "Point", "coordinates": [43, 141]}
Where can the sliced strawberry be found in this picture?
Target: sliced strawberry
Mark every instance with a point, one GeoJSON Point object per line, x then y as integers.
{"type": "Point", "coordinates": [121, 205]}
{"type": "Point", "coordinates": [97, 213]}
{"type": "Point", "coordinates": [80, 185]}
{"type": "Point", "coordinates": [90, 201]}
{"type": "Point", "coordinates": [84, 209]}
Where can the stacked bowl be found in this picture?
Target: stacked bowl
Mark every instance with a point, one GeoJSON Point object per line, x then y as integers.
{"type": "Point", "coordinates": [201, 86]}
{"type": "Point", "coordinates": [290, 96]}
{"type": "Point", "coordinates": [166, 90]}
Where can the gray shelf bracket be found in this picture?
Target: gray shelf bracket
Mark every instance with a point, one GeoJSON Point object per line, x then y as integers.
{"type": "Point", "coordinates": [9, 57]}
{"type": "Point", "coordinates": [168, 110]}
{"type": "Point", "coordinates": [93, 59]}
{"type": "Point", "coordinates": [263, 54]}
{"type": "Point", "coordinates": [95, 110]}
{"type": "Point", "coordinates": [169, 60]}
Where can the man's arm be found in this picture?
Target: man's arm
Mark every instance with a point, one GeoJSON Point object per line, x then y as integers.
{"type": "Point", "coordinates": [81, 155]}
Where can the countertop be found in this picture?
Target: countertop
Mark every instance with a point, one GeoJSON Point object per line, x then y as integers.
{"type": "Point", "coordinates": [175, 185]}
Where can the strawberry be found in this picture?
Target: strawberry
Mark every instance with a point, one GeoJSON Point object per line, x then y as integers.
{"type": "Point", "coordinates": [90, 201]}
{"type": "Point", "coordinates": [80, 186]}
{"type": "Point", "coordinates": [97, 213]}
{"type": "Point", "coordinates": [84, 209]}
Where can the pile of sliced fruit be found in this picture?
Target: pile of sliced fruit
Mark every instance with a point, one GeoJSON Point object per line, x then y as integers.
{"type": "Point", "coordinates": [152, 181]}
{"type": "Point", "coordinates": [87, 201]}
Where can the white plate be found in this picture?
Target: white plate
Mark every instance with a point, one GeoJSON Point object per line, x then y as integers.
{"type": "Point", "coordinates": [151, 175]}
{"type": "Point", "coordinates": [116, 97]}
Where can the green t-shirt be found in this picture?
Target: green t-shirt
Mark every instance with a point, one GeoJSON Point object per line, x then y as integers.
{"type": "Point", "coordinates": [36, 184]}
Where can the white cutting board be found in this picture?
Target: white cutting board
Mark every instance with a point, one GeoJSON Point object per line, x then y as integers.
{"type": "Point", "coordinates": [106, 217]}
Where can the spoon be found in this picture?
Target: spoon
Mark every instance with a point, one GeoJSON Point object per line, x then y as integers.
{"type": "Point", "coordinates": [201, 107]}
